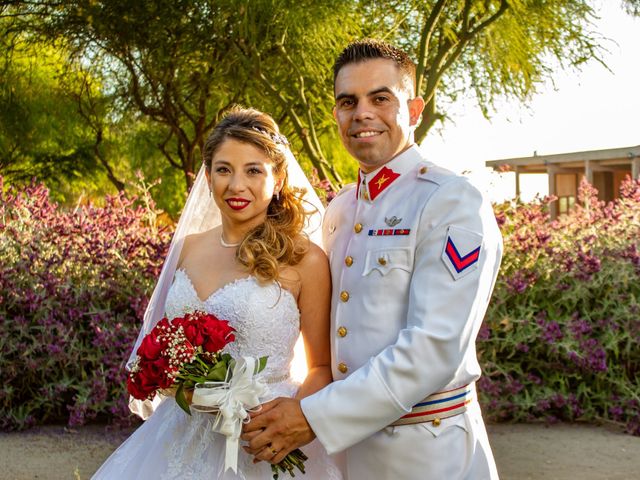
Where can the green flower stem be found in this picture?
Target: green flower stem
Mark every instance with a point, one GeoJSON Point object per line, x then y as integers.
{"type": "Point", "coordinates": [204, 365]}
{"type": "Point", "coordinates": [293, 460]}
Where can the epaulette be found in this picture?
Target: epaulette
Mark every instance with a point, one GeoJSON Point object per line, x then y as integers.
{"type": "Point", "coordinates": [434, 173]}
{"type": "Point", "coordinates": [347, 188]}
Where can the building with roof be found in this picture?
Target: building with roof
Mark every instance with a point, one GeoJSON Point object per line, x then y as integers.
{"type": "Point", "coordinates": [604, 169]}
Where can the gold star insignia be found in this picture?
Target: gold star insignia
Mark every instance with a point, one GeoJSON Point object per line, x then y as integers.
{"type": "Point", "coordinates": [381, 181]}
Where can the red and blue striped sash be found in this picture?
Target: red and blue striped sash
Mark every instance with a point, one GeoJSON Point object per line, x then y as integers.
{"type": "Point", "coordinates": [438, 406]}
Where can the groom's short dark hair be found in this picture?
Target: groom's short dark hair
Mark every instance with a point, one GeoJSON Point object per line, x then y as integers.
{"type": "Point", "coordinates": [370, 49]}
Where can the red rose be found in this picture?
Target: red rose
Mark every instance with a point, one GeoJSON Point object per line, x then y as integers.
{"type": "Point", "coordinates": [147, 382]}
{"type": "Point", "coordinates": [180, 321]}
{"type": "Point", "coordinates": [193, 332]}
{"type": "Point", "coordinates": [157, 372]}
{"type": "Point", "coordinates": [162, 325]}
{"type": "Point", "coordinates": [140, 386]}
{"type": "Point", "coordinates": [151, 347]}
{"type": "Point", "coordinates": [133, 389]}
{"type": "Point", "coordinates": [217, 333]}
{"type": "Point", "coordinates": [190, 328]}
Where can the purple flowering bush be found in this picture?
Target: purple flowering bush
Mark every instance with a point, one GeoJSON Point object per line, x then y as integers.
{"type": "Point", "coordinates": [560, 339]}
{"type": "Point", "coordinates": [74, 284]}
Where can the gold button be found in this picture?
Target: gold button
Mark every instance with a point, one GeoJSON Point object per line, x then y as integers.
{"type": "Point", "coordinates": [357, 228]}
{"type": "Point", "coordinates": [342, 331]}
{"type": "Point", "coordinates": [348, 261]}
{"type": "Point", "coordinates": [382, 261]}
{"type": "Point", "coordinates": [436, 422]}
{"type": "Point", "coordinates": [423, 170]}
{"type": "Point", "coordinates": [365, 195]}
{"type": "Point", "coordinates": [342, 368]}
{"type": "Point", "coordinates": [344, 295]}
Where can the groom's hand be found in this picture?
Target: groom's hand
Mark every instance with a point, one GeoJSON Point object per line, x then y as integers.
{"type": "Point", "coordinates": [277, 429]}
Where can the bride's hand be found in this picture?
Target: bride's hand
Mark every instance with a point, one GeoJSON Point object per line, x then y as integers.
{"type": "Point", "coordinates": [279, 428]}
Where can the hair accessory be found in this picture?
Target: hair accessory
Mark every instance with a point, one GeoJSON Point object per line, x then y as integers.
{"type": "Point", "coordinates": [277, 138]}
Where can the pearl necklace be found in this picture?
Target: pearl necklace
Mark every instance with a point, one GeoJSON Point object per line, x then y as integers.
{"type": "Point", "coordinates": [228, 245]}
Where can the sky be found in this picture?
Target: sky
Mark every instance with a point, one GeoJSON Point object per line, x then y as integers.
{"type": "Point", "coordinates": [590, 109]}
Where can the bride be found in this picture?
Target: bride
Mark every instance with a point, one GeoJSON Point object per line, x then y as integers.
{"type": "Point", "coordinates": [240, 252]}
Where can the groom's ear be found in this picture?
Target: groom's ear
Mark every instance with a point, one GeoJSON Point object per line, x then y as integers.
{"type": "Point", "coordinates": [416, 107]}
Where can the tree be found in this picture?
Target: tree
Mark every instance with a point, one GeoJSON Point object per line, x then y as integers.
{"type": "Point", "coordinates": [41, 131]}
{"type": "Point", "coordinates": [182, 63]}
{"type": "Point", "coordinates": [632, 7]}
{"type": "Point", "coordinates": [164, 60]}
{"type": "Point", "coordinates": [288, 47]}
{"type": "Point", "coordinates": [94, 107]}
{"type": "Point", "coordinates": [60, 124]}
{"type": "Point", "coordinates": [491, 49]}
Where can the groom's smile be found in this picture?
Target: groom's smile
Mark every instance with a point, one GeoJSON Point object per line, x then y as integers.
{"type": "Point", "coordinates": [374, 111]}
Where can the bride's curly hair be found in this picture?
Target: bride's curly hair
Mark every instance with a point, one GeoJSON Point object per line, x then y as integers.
{"type": "Point", "coordinates": [280, 240]}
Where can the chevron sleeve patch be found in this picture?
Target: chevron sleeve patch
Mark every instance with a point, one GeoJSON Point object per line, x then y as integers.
{"type": "Point", "coordinates": [461, 251]}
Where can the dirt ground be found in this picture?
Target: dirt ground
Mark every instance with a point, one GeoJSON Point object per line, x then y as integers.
{"type": "Point", "coordinates": [523, 452]}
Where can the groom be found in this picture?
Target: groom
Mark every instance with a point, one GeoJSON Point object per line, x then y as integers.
{"type": "Point", "coordinates": [414, 253]}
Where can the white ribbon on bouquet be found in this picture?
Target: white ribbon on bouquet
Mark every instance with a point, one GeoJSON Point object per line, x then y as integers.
{"type": "Point", "coordinates": [232, 401]}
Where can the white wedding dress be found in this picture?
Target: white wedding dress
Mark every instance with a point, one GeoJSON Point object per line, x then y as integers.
{"type": "Point", "coordinates": [171, 444]}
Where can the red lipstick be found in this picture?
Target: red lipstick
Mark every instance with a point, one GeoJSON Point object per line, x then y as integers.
{"type": "Point", "coordinates": [237, 203]}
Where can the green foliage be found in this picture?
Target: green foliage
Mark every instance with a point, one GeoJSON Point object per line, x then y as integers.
{"type": "Point", "coordinates": [287, 48]}
{"type": "Point", "coordinates": [179, 65]}
{"type": "Point", "coordinates": [561, 333]}
{"type": "Point", "coordinates": [41, 134]}
{"type": "Point", "coordinates": [57, 125]}
{"type": "Point", "coordinates": [489, 50]}
{"type": "Point", "coordinates": [139, 153]}
{"type": "Point", "coordinates": [341, 160]}
{"type": "Point", "coordinates": [632, 7]}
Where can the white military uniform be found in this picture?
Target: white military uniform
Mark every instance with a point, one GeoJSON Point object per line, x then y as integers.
{"type": "Point", "coordinates": [414, 252]}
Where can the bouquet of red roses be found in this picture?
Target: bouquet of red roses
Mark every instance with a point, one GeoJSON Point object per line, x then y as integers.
{"type": "Point", "coordinates": [184, 356]}
{"type": "Point", "coordinates": [179, 354]}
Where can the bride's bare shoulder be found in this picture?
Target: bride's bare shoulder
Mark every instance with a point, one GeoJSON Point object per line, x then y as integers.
{"type": "Point", "coordinates": [314, 258]}
{"type": "Point", "coordinates": [196, 243]}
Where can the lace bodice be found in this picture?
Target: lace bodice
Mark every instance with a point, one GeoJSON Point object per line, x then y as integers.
{"type": "Point", "coordinates": [266, 318]}
{"type": "Point", "coordinates": [172, 445]}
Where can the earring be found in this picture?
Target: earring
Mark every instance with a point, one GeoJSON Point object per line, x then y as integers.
{"type": "Point", "coordinates": [278, 195]}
